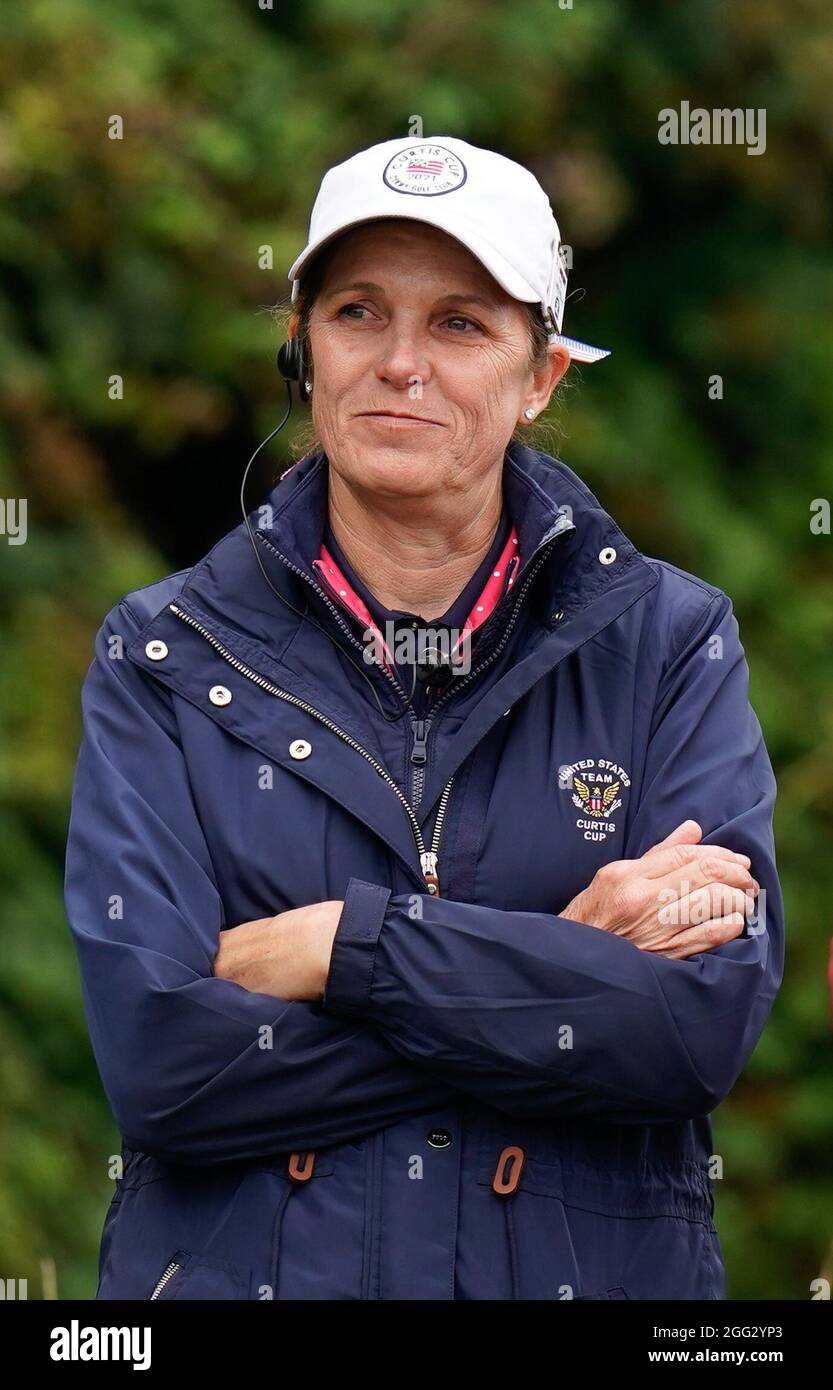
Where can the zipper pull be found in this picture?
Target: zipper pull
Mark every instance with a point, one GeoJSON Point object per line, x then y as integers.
{"type": "Point", "coordinates": [419, 754]}
{"type": "Point", "coordinates": [428, 860]}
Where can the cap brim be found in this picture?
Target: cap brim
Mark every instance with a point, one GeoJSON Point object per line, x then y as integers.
{"type": "Point", "coordinates": [507, 277]}
{"type": "Point", "coordinates": [497, 266]}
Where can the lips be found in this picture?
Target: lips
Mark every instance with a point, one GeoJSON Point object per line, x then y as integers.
{"type": "Point", "coordinates": [398, 415]}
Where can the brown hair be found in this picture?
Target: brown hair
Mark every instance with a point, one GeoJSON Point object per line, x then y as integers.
{"type": "Point", "coordinates": [546, 435]}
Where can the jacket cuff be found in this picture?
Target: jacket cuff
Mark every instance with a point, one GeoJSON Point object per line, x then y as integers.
{"type": "Point", "coordinates": [347, 988]}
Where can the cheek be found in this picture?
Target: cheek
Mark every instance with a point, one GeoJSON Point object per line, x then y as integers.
{"type": "Point", "coordinates": [490, 390]}
{"type": "Point", "coordinates": [338, 368]}
{"type": "Point", "coordinates": [333, 375]}
{"type": "Point", "coordinates": [333, 400]}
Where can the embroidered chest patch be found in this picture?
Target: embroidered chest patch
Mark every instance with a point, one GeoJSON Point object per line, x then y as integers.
{"type": "Point", "coordinates": [596, 786]}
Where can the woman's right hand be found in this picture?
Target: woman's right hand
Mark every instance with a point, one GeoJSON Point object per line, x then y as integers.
{"type": "Point", "coordinates": [679, 898]}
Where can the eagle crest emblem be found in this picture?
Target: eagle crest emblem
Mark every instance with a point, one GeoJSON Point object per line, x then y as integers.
{"type": "Point", "coordinates": [595, 799]}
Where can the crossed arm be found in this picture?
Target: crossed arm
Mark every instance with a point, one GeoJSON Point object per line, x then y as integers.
{"type": "Point", "coordinates": [678, 899]}
{"type": "Point", "coordinates": [370, 1016]}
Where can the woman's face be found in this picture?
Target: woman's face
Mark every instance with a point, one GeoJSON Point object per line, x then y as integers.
{"type": "Point", "coordinates": [421, 362]}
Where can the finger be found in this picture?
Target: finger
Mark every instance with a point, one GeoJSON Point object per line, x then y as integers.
{"type": "Point", "coordinates": [714, 874]}
{"type": "Point", "coordinates": [688, 832]}
{"type": "Point", "coordinates": [706, 936]}
{"type": "Point", "coordinates": [713, 901]}
{"type": "Point", "coordinates": [663, 862]}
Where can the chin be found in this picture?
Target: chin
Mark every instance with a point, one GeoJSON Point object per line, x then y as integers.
{"type": "Point", "coordinates": [407, 471]}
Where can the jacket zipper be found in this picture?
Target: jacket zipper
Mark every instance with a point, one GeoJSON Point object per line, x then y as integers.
{"type": "Point", "coordinates": [455, 686]}
{"type": "Point", "coordinates": [419, 757]}
{"type": "Point", "coordinates": [427, 858]}
{"type": "Point", "coordinates": [418, 753]}
{"type": "Point", "coordinates": [166, 1278]}
{"type": "Point", "coordinates": [316, 588]}
{"type": "Point", "coordinates": [421, 727]}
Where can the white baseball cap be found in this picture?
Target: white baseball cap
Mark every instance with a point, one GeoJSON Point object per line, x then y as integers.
{"type": "Point", "coordinates": [495, 207]}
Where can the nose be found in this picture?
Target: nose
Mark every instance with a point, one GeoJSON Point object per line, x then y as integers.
{"type": "Point", "coordinates": [402, 361]}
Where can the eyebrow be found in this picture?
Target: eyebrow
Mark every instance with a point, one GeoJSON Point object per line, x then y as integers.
{"type": "Point", "coordinates": [370, 287]}
{"type": "Point", "coordinates": [356, 285]}
{"type": "Point", "coordinates": [482, 300]}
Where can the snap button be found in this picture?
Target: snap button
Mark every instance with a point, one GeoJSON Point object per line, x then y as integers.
{"type": "Point", "coordinates": [300, 749]}
{"type": "Point", "coordinates": [439, 1138]}
{"type": "Point", "coordinates": [157, 650]}
{"type": "Point", "coordinates": [607, 556]}
{"type": "Point", "coordinates": [219, 695]}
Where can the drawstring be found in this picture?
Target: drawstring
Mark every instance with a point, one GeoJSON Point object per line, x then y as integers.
{"type": "Point", "coordinates": [276, 1235]}
{"type": "Point", "coordinates": [505, 1184]}
{"type": "Point", "coordinates": [513, 1249]}
{"type": "Point", "coordinates": [299, 1168]}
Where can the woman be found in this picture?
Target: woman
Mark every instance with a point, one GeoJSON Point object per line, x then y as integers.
{"type": "Point", "coordinates": [414, 971]}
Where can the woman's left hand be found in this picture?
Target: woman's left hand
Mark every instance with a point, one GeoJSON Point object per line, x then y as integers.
{"type": "Point", "coordinates": [287, 955]}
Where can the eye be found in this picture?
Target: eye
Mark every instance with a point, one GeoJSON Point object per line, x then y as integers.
{"type": "Point", "coordinates": [354, 311]}
{"type": "Point", "coordinates": [456, 320]}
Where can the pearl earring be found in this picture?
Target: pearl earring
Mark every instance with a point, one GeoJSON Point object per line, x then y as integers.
{"type": "Point", "coordinates": [529, 413]}
{"type": "Point", "coordinates": [308, 387]}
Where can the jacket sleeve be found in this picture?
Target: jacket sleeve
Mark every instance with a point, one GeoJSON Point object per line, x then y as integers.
{"type": "Point", "coordinates": [543, 1016]}
{"type": "Point", "coordinates": [196, 1069]}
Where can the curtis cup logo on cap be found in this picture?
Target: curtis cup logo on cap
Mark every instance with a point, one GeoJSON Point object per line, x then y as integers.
{"type": "Point", "coordinates": [426, 170]}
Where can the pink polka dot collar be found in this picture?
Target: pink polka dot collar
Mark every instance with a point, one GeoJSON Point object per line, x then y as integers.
{"type": "Point", "coordinates": [507, 564]}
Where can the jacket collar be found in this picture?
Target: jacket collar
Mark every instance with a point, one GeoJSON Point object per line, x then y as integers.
{"type": "Point", "coordinates": [294, 515]}
{"type": "Point", "coordinates": [590, 573]}
{"type": "Point", "coordinates": [590, 565]}
{"type": "Point", "coordinates": [545, 499]}
{"type": "Point", "coordinates": [499, 582]}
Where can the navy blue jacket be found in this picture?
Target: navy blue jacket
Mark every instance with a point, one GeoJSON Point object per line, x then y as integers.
{"type": "Point", "coordinates": [492, 1101]}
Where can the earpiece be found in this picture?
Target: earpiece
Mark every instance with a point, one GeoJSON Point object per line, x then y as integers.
{"type": "Point", "coordinates": [292, 365]}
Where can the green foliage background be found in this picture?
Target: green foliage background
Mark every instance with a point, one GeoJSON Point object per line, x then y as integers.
{"type": "Point", "coordinates": [140, 256]}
